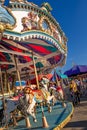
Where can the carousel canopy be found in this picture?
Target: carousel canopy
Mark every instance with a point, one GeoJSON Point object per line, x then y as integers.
{"type": "Point", "coordinates": [76, 70]}
{"type": "Point", "coordinates": [27, 31]}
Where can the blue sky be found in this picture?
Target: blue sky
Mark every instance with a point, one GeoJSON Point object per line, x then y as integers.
{"type": "Point", "coordinates": [72, 17]}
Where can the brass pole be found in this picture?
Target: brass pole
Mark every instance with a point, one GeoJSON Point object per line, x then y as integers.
{"type": "Point", "coordinates": [18, 74]}
{"type": "Point", "coordinates": [2, 87]}
{"type": "Point", "coordinates": [8, 85]}
{"type": "Point", "coordinates": [56, 74]}
{"type": "Point", "coordinates": [56, 77]}
{"type": "Point", "coordinates": [5, 82]}
{"type": "Point", "coordinates": [9, 89]}
{"type": "Point", "coordinates": [36, 75]}
{"type": "Point", "coordinates": [29, 81]}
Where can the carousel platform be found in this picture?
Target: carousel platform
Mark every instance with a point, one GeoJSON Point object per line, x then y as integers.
{"type": "Point", "coordinates": [55, 120]}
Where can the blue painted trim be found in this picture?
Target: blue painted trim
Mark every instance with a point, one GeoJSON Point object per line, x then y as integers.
{"type": "Point", "coordinates": [6, 2]}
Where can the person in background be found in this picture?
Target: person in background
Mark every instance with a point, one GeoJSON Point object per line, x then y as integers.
{"type": "Point", "coordinates": [78, 82]}
{"type": "Point", "coordinates": [74, 93]}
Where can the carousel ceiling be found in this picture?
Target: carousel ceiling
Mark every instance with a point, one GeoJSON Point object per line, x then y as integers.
{"type": "Point", "coordinates": [45, 55]}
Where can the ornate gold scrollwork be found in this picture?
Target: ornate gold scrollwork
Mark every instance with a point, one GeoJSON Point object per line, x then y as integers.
{"type": "Point", "coordinates": [64, 47]}
{"type": "Point", "coordinates": [6, 25]}
{"type": "Point", "coordinates": [45, 20]}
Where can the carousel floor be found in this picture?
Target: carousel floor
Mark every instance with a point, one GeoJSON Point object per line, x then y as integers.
{"type": "Point", "coordinates": [56, 120]}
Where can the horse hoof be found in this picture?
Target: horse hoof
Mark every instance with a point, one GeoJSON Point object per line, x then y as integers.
{"type": "Point", "coordinates": [35, 120]}
{"type": "Point", "coordinates": [49, 109]}
{"type": "Point", "coordinates": [64, 105]}
{"type": "Point", "coordinates": [52, 104]}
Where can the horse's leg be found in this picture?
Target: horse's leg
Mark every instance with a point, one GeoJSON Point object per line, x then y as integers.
{"type": "Point", "coordinates": [49, 98]}
{"type": "Point", "coordinates": [30, 110]}
{"type": "Point", "coordinates": [54, 100]}
{"type": "Point", "coordinates": [62, 98]}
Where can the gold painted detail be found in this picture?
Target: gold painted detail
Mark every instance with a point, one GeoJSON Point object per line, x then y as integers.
{"type": "Point", "coordinates": [56, 34]}
{"type": "Point", "coordinates": [8, 15]}
{"type": "Point", "coordinates": [64, 47]}
{"type": "Point", "coordinates": [18, 0]}
{"type": "Point", "coordinates": [61, 39]}
{"type": "Point", "coordinates": [44, 21]}
{"type": "Point", "coordinates": [64, 41]}
{"type": "Point", "coordinates": [5, 26]}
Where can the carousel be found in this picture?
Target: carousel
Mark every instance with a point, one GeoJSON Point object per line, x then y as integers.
{"type": "Point", "coordinates": [31, 43]}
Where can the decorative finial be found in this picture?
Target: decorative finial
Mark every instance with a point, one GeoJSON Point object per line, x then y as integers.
{"type": "Point", "coordinates": [46, 6]}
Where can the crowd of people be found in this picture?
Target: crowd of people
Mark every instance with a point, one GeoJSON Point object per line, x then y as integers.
{"type": "Point", "coordinates": [77, 89]}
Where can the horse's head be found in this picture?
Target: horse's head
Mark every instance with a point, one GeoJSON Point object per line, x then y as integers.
{"type": "Point", "coordinates": [44, 82]}
{"type": "Point", "coordinates": [28, 90]}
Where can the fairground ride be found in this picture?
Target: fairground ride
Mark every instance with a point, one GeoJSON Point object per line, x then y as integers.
{"type": "Point", "coordinates": [30, 38]}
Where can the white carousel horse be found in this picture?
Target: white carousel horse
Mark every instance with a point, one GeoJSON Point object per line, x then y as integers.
{"type": "Point", "coordinates": [45, 83]}
{"type": "Point", "coordinates": [37, 96]}
{"type": "Point", "coordinates": [59, 94]}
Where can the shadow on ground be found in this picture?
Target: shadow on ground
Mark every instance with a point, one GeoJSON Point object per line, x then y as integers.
{"type": "Point", "coordinates": [77, 124]}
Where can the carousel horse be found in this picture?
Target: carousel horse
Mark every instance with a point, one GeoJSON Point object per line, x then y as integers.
{"type": "Point", "coordinates": [38, 96]}
{"type": "Point", "coordinates": [59, 94]}
{"type": "Point", "coordinates": [56, 91]}
{"type": "Point", "coordinates": [42, 94]}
